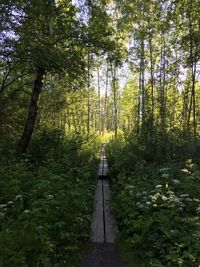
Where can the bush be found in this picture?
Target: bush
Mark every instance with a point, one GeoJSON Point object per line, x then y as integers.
{"type": "Point", "coordinates": [46, 201]}
{"type": "Point", "coordinates": [157, 206]}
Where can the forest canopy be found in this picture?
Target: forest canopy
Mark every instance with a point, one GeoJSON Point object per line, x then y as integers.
{"type": "Point", "coordinates": [133, 66]}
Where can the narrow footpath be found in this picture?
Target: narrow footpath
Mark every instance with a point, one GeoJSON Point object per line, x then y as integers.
{"type": "Point", "coordinates": [103, 252]}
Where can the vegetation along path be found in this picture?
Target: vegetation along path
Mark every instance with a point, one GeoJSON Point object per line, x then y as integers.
{"type": "Point", "coordinates": [103, 227]}
{"type": "Point", "coordinates": [75, 75]}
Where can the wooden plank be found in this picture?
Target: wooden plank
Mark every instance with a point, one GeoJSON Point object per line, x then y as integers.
{"type": "Point", "coordinates": [103, 150]}
{"type": "Point", "coordinates": [105, 173]}
{"type": "Point", "coordinates": [105, 168]}
{"type": "Point", "coordinates": [100, 172]}
{"type": "Point", "coordinates": [111, 228]}
{"type": "Point", "coordinates": [97, 224]}
{"type": "Point", "coordinates": [105, 163]}
{"type": "Point", "coordinates": [104, 227]}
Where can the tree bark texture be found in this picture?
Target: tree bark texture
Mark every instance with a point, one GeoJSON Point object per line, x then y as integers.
{"type": "Point", "coordinates": [32, 114]}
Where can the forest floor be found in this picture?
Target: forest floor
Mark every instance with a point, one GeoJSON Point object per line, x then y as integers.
{"type": "Point", "coordinates": [103, 255]}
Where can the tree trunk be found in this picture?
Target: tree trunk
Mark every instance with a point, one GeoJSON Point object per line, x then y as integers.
{"type": "Point", "coordinates": [105, 119]}
{"type": "Point", "coordinates": [192, 105]}
{"type": "Point", "coordinates": [142, 85]}
{"type": "Point", "coordinates": [139, 106]}
{"type": "Point", "coordinates": [152, 86]}
{"type": "Point", "coordinates": [113, 69]}
{"type": "Point", "coordinates": [32, 114]}
{"type": "Point", "coordinates": [99, 100]}
{"type": "Point", "coordinates": [163, 88]}
{"type": "Point", "coordinates": [88, 96]}
{"type": "Point", "coordinates": [185, 105]}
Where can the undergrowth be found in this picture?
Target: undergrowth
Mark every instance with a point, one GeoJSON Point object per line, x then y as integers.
{"type": "Point", "coordinates": [156, 201]}
{"type": "Point", "coordinates": [46, 200]}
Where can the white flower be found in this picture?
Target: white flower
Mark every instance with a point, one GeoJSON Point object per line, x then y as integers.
{"type": "Point", "coordinates": [165, 175]}
{"type": "Point", "coordinates": [195, 219]}
{"type": "Point", "coordinates": [181, 204]}
{"type": "Point", "coordinates": [198, 209]}
{"type": "Point", "coordinates": [175, 181]}
{"type": "Point", "coordinates": [148, 203]}
{"type": "Point", "coordinates": [27, 211]}
{"type": "Point", "coordinates": [196, 200]}
{"type": "Point", "coordinates": [155, 205]}
{"type": "Point", "coordinates": [141, 206]}
{"type": "Point", "coordinates": [185, 170]}
{"type": "Point", "coordinates": [3, 206]}
{"type": "Point", "coordinates": [155, 197]}
{"type": "Point", "coordinates": [170, 192]}
{"type": "Point", "coordinates": [158, 186]}
{"type": "Point", "coordinates": [10, 202]}
{"type": "Point", "coordinates": [130, 189]}
{"type": "Point", "coordinates": [184, 195]}
{"type": "Point", "coordinates": [50, 197]}
{"type": "Point", "coordinates": [144, 193]}
{"type": "Point", "coordinates": [174, 199]}
{"type": "Point", "coordinates": [188, 199]}
{"type": "Point", "coordinates": [164, 198]}
{"type": "Point", "coordinates": [18, 197]}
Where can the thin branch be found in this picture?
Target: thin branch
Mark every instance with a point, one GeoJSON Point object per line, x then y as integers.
{"type": "Point", "coordinates": [4, 86]}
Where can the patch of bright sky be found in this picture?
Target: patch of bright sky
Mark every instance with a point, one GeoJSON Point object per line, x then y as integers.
{"type": "Point", "coordinates": [15, 19]}
{"type": "Point", "coordinates": [122, 75]}
{"type": "Point", "coordinates": [83, 12]}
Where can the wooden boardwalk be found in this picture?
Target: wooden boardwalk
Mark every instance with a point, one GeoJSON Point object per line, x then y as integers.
{"type": "Point", "coordinates": [103, 226]}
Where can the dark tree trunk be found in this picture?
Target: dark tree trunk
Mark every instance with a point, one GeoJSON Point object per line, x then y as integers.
{"type": "Point", "coordinates": [32, 114]}
{"type": "Point", "coordinates": [186, 105]}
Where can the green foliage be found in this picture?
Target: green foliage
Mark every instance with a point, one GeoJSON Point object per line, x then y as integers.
{"type": "Point", "coordinates": [157, 206]}
{"type": "Point", "coordinates": [46, 201]}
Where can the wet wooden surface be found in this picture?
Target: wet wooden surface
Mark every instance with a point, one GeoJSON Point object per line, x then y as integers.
{"type": "Point", "coordinates": [103, 226]}
{"type": "Point", "coordinates": [97, 224]}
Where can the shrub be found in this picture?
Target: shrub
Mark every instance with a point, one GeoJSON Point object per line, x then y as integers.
{"type": "Point", "coordinates": [46, 201]}
{"type": "Point", "coordinates": [157, 207]}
